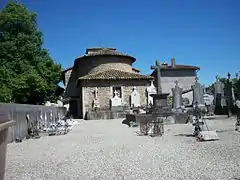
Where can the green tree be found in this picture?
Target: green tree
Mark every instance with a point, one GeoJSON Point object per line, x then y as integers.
{"type": "Point", "coordinates": [235, 84]}
{"type": "Point", "coordinates": [27, 72]}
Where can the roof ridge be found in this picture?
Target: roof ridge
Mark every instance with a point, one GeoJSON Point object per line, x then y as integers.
{"type": "Point", "coordinates": [114, 74]}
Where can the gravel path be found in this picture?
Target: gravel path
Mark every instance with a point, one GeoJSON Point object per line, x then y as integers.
{"type": "Point", "coordinates": [109, 150]}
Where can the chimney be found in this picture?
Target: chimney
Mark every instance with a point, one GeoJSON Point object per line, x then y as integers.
{"type": "Point", "coordinates": [173, 62]}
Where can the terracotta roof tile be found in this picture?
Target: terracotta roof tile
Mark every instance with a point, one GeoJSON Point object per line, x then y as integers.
{"type": "Point", "coordinates": [114, 75]}
{"type": "Point", "coordinates": [107, 52]}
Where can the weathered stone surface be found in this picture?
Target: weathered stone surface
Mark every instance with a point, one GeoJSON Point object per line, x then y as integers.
{"type": "Point", "coordinates": [105, 92]}
{"type": "Point", "coordinates": [180, 118]}
{"type": "Point", "coordinates": [104, 114]}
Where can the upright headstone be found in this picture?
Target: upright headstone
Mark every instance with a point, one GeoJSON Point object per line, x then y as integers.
{"type": "Point", "coordinates": [219, 99]}
{"type": "Point", "coordinates": [116, 100]}
{"type": "Point", "coordinates": [208, 99]}
{"type": "Point", "coordinates": [177, 96]}
{"type": "Point", "coordinates": [150, 90]}
{"type": "Point", "coordinates": [198, 93]}
{"type": "Point", "coordinates": [135, 98]}
{"type": "Point", "coordinates": [229, 96]}
{"type": "Point", "coordinates": [96, 103]}
{"type": "Point", "coordinates": [158, 68]}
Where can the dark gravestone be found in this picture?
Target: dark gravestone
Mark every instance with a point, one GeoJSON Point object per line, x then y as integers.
{"type": "Point", "coordinates": [198, 91]}
{"type": "Point", "coordinates": [177, 96]}
{"type": "Point", "coordinates": [219, 99]}
{"type": "Point", "coordinates": [229, 96]}
{"type": "Point", "coordinates": [158, 68]}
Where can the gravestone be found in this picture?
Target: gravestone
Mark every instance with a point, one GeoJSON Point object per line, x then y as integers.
{"type": "Point", "coordinates": [198, 91]}
{"type": "Point", "coordinates": [158, 68]}
{"type": "Point", "coordinates": [150, 90]}
{"type": "Point", "coordinates": [116, 100]}
{"type": "Point", "coordinates": [229, 96]}
{"type": "Point", "coordinates": [135, 98]}
{"type": "Point", "coordinates": [177, 96]}
{"type": "Point", "coordinates": [219, 99]}
{"type": "Point", "coordinates": [96, 103]}
{"type": "Point", "coordinates": [208, 99]}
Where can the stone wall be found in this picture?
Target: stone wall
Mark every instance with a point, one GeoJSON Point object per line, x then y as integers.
{"type": "Point", "coordinates": [105, 92]}
{"type": "Point", "coordinates": [97, 64]}
{"type": "Point", "coordinates": [37, 114]}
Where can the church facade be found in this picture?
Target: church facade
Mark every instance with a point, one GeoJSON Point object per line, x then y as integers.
{"type": "Point", "coordinates": [98, 76]}
{"type": "Point", "coordinates": [104, 77]}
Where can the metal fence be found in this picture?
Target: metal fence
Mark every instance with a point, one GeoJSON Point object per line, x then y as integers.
{"type": "Point", "coordinates": [38, 114]}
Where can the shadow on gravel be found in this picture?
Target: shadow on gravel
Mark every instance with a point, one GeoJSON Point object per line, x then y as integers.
{"type": "Point", "coordinates": [185, 135]}
{"type": "Point", "coordinates": [228, 130]}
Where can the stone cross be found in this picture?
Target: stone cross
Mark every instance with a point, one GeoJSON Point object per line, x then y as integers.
{"type": "Point", "coordinates": [115, 93]}
{"type": "Point", "coordinates": [158, 68]}
{"type": "Point", "coordinates": [95, 93]}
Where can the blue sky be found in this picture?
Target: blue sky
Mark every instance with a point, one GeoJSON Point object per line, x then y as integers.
{"type": "Point", "coordinates": [205, 33]}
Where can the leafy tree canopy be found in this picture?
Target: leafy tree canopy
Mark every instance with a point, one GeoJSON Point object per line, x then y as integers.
{"type": "Point", "coordinates": [27, 72]}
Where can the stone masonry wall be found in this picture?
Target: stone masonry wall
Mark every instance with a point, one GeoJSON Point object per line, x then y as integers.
{"type": "Point", "coordinates": [105, 92]}
{"type": "Point", "coordinates": [102, 63]}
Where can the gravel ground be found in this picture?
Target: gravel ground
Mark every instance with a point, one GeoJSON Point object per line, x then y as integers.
{"type": "Point", "coordinates": [109, 150]}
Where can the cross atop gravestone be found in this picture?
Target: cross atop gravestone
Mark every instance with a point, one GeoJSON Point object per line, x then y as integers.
{"type": "Point", "coordinates": [95, 93]}
{"type": "Point", "coordinates": [115, 93]}
{"type": "Point", "coordinates": [158, 68]}
{"type": "Point", "coordinates": [229, 75]}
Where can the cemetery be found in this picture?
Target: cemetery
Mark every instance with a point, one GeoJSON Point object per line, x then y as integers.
{"type": "Point", "coordinates": [163, 140]}
{"type": "Point", "coordinates": [108, 120]}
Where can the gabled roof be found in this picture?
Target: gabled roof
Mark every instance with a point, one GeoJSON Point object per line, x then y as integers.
{"type": "Point", "coordinates": [115, 75]}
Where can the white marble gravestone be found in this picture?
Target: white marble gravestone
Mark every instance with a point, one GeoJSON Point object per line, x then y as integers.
{"type": "Point", "coordinates": [116, 100]}
{"type": "Point", "coordinates": [150, 90]}
{"type": "Point", "coordinates": [135, 98]}
{"type": "Point", "coordinates": [208, 99]}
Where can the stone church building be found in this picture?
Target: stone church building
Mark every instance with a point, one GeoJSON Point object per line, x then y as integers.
{"type": "Point", "coordinates": [103, 76]}
{"type": "Point", "coordinates": [98, 76]}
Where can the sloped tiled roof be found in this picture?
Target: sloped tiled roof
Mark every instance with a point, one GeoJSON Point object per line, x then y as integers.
{"type": "Point", "coordinates": [106, 52]}
{"type": "Point", "coordinates": [114, 75]}
{"type": "Point", "coordinates": [178, 66]}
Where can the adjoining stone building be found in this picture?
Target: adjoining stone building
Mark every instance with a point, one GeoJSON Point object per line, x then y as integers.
{"type": "Point", "coordinates": [185, 75]}
{"type": "Point", "coordinates": [102, 72]}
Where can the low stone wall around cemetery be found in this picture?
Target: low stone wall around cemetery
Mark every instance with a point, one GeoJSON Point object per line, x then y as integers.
{"type": "Point", "coordinates": [38, 114]}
